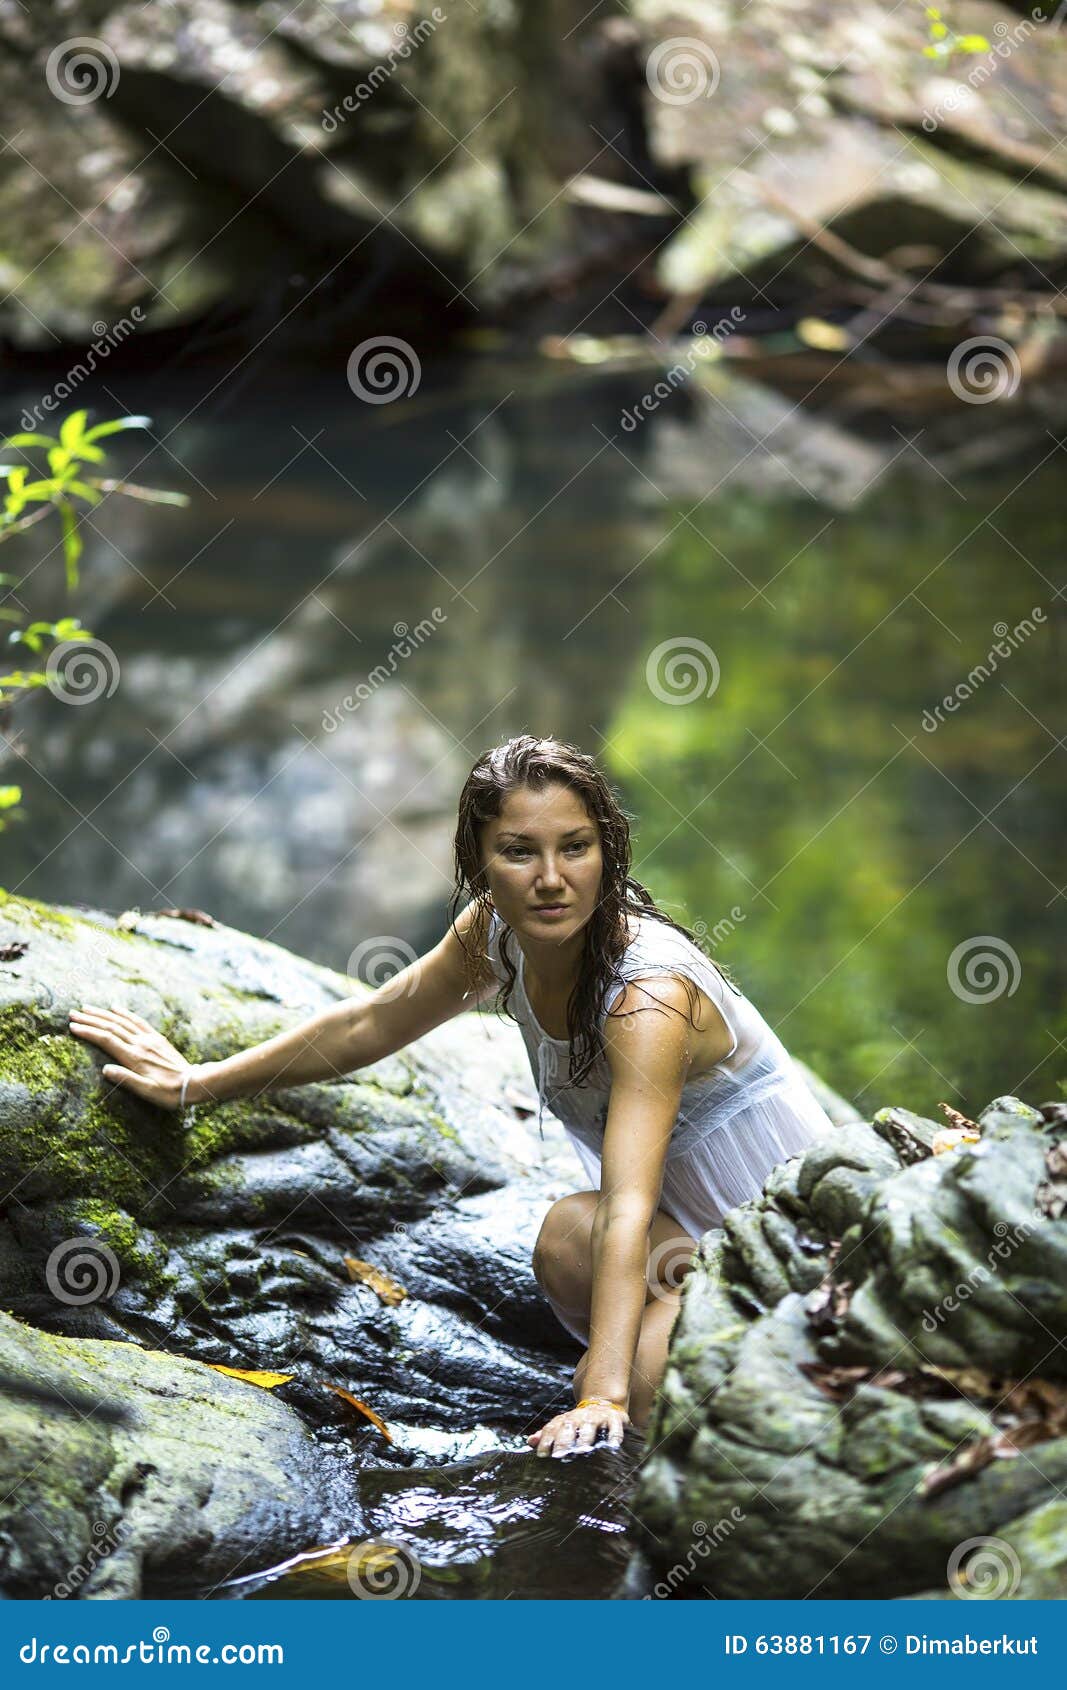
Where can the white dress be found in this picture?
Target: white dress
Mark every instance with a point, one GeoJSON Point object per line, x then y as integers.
{"type": "Point", "coordinates": [734, 1124]}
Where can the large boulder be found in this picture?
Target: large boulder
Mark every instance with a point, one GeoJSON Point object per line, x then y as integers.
{"type": "Point", "coordinates": [126, 1472]}
{"type": "Point", "coordinates": [223, 1233]}
{"type": "Point", "coordinates": [867, 1380]}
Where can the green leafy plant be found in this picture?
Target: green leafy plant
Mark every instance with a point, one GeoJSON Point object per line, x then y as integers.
{"type": "Point", "coordinates": [944, 42]}
{"type": "Point", "coordinates": [68, 481]}
{"type": "Point", "coordinates": [71, 484]}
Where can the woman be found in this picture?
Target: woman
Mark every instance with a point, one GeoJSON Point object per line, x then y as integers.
{"type": "Point", "coordinates": [678, 1101]}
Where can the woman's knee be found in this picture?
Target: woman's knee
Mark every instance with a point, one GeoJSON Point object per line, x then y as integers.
{"type": "Point", "coordinates": [562, 1255]}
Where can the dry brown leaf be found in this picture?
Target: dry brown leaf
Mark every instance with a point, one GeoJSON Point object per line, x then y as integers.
{"type": "Point", "coordinates": [964, 1122]}
{"type": "Point", "coordinates": [387, 1289]}
{"type": "Point", "coordinates": [11, 952]}
{"type": "Point", "coordinates": [363, 1409]}
{"type": "Point", "coordinates": [200, 917]}
{"type": "Point", "coordinates": [266, 1381]}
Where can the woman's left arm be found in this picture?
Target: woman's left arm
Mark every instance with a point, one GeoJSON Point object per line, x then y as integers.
{"type": "Point", "coordinates": [648, 1049]}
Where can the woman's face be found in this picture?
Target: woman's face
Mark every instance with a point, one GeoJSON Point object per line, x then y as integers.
{"type": "Point", "coordinates": [543, 862]}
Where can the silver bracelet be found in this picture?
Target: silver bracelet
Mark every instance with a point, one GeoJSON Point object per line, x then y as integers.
{"type": "Point", "coordinates": [185, 1082]}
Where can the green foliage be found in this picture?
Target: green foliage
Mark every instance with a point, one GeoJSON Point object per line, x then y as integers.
{"type": "Point", "coordinates": [32, 494]}
{"type": "Point", "coordinates": [944, 42]}
{"type": "Point", "coordinates": [66, 482]}
{"type": "Point", "coordinates": [10, 799]}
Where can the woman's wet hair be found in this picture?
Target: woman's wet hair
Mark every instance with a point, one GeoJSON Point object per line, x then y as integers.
{"type": "Point", "coordinates": [533, 763]}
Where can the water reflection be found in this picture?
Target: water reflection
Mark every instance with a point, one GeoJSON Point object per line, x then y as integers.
{"type": "Point", "coordinates": [499, 556]}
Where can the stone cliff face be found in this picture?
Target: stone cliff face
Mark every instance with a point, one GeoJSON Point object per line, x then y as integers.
{"type": "Point", "coordinates": [302, 172]}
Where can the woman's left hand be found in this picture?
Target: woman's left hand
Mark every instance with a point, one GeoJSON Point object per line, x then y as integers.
{"type": "Point", "coordinates": [578, 1428]}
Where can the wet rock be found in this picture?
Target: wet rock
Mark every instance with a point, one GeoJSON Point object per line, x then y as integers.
{"type": "Point", "coordinates": [128, 1472]}
{"type": "Point", "coordinates": [860, 1328]}
{"type": "Point", "coordinates": [223, 1233]}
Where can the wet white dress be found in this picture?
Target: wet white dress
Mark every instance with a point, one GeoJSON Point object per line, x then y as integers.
{"type": "Point", "coordinates": [734, 1124]}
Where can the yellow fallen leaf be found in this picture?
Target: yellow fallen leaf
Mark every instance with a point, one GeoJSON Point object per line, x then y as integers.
{"type": "Point", "coordinates": [266, 1381]}
{"type": "Point", "coordinates": [388, 1290]}
{"type": "Point", "coordinates": [339, 1390]}
{"type": "Point", "coordinates": [825, 337]}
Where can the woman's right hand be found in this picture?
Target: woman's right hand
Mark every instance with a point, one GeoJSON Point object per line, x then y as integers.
{"type": "Point", "coordinates": [142, 1059]}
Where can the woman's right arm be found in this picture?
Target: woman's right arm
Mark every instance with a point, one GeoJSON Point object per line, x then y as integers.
{"type": "Point", "coordinates": [348, 1035]}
